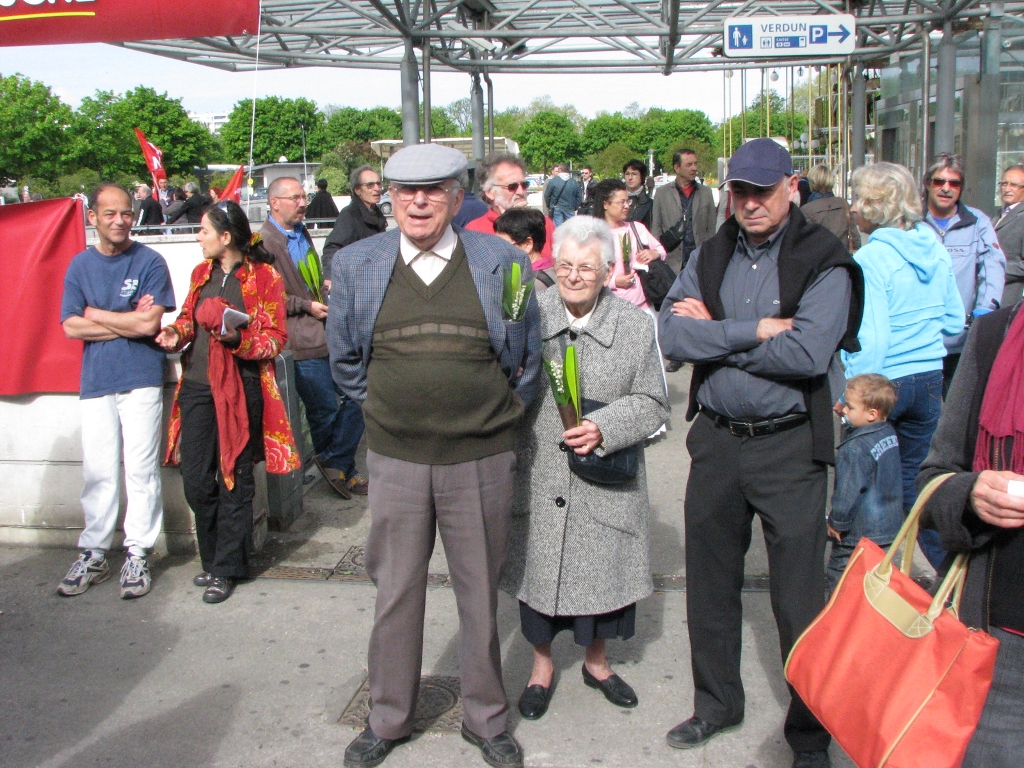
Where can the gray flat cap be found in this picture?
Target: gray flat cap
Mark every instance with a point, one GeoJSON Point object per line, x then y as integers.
{"type": "Point", "coordinates": [425, 164]}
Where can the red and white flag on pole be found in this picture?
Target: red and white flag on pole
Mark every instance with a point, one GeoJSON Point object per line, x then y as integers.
{"type": "Point", "coordinates": [233, 191]}
{"type": "Point", "coordinates": [154, 161]}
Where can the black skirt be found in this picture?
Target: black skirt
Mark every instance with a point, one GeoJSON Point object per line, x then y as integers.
{"type": "Point", "coordinates": [540, 629]}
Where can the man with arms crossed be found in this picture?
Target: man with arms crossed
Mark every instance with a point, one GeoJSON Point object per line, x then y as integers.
{"type": "Point", "coordinates": [417, 334]}
{"type": "Point", "coordinates": [760, 310]}
{"type": "Point", "coordinates": [115, 293]}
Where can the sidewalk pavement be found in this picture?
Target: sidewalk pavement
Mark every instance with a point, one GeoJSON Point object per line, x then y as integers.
{"type": "Point", "coordinates": [264, 678]}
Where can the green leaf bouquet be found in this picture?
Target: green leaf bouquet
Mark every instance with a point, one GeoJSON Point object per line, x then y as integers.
{"type": "Point", "coordinates": [309, 269]}
{"type": "Point", "coordinates": [515, 293]}
{"type": "Point", "coordinates": [565, 386]}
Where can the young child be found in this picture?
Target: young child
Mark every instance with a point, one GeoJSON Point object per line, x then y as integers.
{"type": "Point", "coordinates": [868, 498]}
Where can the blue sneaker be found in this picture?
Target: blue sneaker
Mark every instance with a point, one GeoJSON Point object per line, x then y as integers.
{"type": "Point", "coordinates": [87, 570]}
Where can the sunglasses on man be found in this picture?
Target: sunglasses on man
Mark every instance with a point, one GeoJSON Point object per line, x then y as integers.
{"type": "Point", "coordinates": [939, 183]}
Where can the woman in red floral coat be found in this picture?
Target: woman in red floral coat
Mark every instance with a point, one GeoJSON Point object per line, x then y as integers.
{"type": "Point", "coordinates": [227, 398]}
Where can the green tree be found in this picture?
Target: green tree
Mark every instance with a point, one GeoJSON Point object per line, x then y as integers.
{"type": "Point", "coordinates": [461, 113]}
{"type": "Point", "coordinates": [336, 165]}
{"type": "Point", "coordinates": [509, 121]}
{"type": "Point", "coordinates": [348, 124]}
{"type": "Point", "coordinates": [665, 131]}
{"type": "Point", "coordinates": [607, 163]}
{"type": "Point", "coordinates": [105, 142]}
{"type": "Point", "coordinates": [441, 124]}
{"type": "Point", "coordinates": [33, 129]}
{"type": "Point", "coordinates": [280, 124]}
{"type": "Point", "coordinates": [605, 130]}
{"type": "Point", "coordinates": [754, 122]}
{"type": "Point", "coordinates": [546, 138]}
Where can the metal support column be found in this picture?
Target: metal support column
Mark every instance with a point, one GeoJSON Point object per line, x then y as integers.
{"type": "Point", "coordinates": [945, 92]}
{"type": "Point", "coordinates": [426, 91]}
{"type": "Point", "coordinates": [981, 119]}
{"type": "Point", "coordinates": [410, 96]}
{"type": "Point", "coordinates": [858, 118]}
{"type": "Point", "coordinates": [924, 128]}
{"type": "Point", "coordinates": [490, 113]}
{"type": "Point", "coordinates": [476, 100]}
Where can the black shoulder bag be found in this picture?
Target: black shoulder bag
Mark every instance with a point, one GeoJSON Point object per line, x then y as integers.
{"type": "Point", "coordinates": [657, 280]}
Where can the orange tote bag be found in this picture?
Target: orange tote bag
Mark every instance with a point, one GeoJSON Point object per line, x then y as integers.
{"type": "Point", "coordinates": [890, 671]}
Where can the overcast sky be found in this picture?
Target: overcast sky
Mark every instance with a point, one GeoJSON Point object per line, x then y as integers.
{"type": "Point", "coordinates": [75, 71]}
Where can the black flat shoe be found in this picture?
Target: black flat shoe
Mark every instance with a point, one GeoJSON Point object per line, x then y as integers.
{"type": "Point", "coordinates": [219, 590]}
{"type": "Point", "coordinates": [812, 760]}
{"type": "Point", "coordinates": [501, 751]}
{"type": "Point", "coordinates": [694, 732]}
{"type": "Point", "coordinates": [614, 688]}
{"type": "Point", "coordinates": [534, 702]}
{"type": "Point", "coordinates": [202, 580]}
{"type": "Point", "coordinates": [368, 749]}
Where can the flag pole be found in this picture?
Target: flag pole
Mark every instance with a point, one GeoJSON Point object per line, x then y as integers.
{"type": "Point", "coordinates": [255, 81]}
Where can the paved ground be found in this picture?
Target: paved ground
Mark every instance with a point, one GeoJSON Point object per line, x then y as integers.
{"type": "Point", "coordinates": [263, 679]}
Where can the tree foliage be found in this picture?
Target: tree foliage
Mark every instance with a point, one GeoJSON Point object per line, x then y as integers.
{"type": "Point", "coordinates": [548, 137]}
{"type": "Point", "coordinates": [336, 165]}
{"type": "Point", "coordinates": [280, 125]}
{"type": "Point", "coordinates": [348, 124]}
{"type": "Point", "coordinates": [33, 128]}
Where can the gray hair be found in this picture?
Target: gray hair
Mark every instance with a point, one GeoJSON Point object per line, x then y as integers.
{"type": "Point", "coordinates": [886, 195]}
{"type": "Point", "coordinates": [485, 170]}
{"type": "Point", "coordinates": [942, 161]}
{"type": "Point", "coordinates": [191, 186]}
{"type": "Point", "coordinates": [585, 230]}
{"type": "Point", "coordinates": [145, 190]}
{"type": "Point", "coordinates": [821, 179]}
{"type": "Point", "coordinates": [1014, 167]}
{"type": "Point", "coordinates": [353, 178]}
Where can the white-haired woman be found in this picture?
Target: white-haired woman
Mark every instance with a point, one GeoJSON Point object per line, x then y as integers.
{"type": "Point", "coordinates": [578, 552]}
{"type": "Point", "coordinates": [910, 301]}
{"type": "Point", "coordinates": [828, 210]}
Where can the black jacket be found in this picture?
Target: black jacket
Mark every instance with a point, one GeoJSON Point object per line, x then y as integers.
{"type": "Point", "coordinates": [322, 206]}
{"type": "Point", "coordinates": [151, 213]}
{"type": "Point", "coordinates": [356, 221]}
{"type": "Point", "coordinates": [191, 210]}
{"type": "Point", "coordinates": [641, 208]}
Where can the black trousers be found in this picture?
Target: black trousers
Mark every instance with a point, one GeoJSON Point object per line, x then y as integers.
{"type": "Point", "coordinates": [223, 517]}
{"type": "Point", "coordinates": [732, 479]}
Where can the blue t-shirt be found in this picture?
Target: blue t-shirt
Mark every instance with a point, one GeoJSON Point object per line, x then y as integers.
{"type": "Point", "coordinates": [116, 283]}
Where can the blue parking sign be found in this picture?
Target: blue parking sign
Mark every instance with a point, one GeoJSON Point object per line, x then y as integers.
{"type": "Point", "coordinates": [741, 36]}
{"type": "Point", "coordinates": [818, 34]}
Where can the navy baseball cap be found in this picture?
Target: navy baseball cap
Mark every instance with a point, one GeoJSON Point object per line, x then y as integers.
{"type": "Point", "coordinates": [760, 162]}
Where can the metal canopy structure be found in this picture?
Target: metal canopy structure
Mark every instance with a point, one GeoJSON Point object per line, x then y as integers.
{"type": "Point", "coordinates": [569, 36]}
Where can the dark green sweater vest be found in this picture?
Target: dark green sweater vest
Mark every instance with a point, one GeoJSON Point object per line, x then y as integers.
{"type": "Point", "coordinates": [435, 391]}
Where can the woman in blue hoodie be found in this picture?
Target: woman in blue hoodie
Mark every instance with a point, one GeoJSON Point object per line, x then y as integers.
{"type": "Point", "coordinates": [910, 301]}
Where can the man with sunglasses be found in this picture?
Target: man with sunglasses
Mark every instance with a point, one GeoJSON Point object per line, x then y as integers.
{"type": "Point", "coordinates": [1010, 230]}
{"type": "Point", "coordinates": [418, 335]}
{"type": "Point", "coordinates": [502, 186]}
{"type": "Point", "coordinates": [760, 310]}
{"type": "Point", "coordinates": [335, 422]}
{"type": "Point", "coordinates": [361, 218]}
{"type": "Point", "coordinates": [978, 262]}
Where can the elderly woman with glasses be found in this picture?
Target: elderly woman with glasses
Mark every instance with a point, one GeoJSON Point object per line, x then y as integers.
{"type": "Point", "coordinates": [578, 553]}
{"type": "Point", "coordinates": [910, 301]}
{"type": "Point", "coordinates": [611, 202]}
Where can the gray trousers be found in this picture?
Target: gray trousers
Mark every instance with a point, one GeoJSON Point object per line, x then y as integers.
{"type": "Point", "coordinates": [469, 504]}
{"type": "Point", "coordinates": [999, 739]}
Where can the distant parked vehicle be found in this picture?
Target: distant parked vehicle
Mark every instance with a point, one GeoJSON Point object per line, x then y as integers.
{"type": "Point", "coordinates": [385, 204]}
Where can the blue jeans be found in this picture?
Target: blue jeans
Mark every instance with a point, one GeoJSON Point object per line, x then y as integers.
{"type": "Point", "coordinates": [559, 215]}
{"type": "Point", "coordinates": [335, 421]}
{"type": "Point", "coordinates": [918, 406]}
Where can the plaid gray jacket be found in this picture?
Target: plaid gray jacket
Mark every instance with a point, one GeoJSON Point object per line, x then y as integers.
{"type": "Point", "coordinates": [360, 274]}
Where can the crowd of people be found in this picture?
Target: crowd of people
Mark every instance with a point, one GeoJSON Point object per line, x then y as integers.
{"type": "Point", "coordinates": [512, 416]}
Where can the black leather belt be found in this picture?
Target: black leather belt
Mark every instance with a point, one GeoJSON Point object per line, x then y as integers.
{"type": "Point", "coordinates": [755, 428]}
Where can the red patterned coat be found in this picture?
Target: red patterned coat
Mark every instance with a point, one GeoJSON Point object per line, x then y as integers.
{"type": "Point", "coordinates": [262, 340]}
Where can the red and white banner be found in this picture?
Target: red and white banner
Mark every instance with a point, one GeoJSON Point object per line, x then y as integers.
{"type": "Point", "coordinates": [154, 161]}
{"type": "Point", "coordinates": [37, 242]}
{"type": "Point", "coordinates": [49, 22]}
{"type": "Point", "coordinates": [233, 191]}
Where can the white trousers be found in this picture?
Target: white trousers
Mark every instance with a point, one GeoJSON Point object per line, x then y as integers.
{"type": "Point", "coordinates": [131, 420]}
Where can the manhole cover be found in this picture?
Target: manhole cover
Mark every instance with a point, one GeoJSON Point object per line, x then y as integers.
{"type": "Point", "coordinates": [438, 708]}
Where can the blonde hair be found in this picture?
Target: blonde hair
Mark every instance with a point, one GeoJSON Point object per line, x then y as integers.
{"type": "Point", "coordinates": [886, 195]}
{"type": "Point", "coordinates": [875, 391]}
{"type": "Point", "coordinates": [821, 179]}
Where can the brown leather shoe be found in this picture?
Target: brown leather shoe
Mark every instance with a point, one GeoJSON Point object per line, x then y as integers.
{"type": "Point", "coordinates": [358, 485]}
{"type": "Point", "coordinates": [335, 478]}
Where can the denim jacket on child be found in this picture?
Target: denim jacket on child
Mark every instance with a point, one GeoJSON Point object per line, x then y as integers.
{"type": "Point", "coordinates": [868, 498]}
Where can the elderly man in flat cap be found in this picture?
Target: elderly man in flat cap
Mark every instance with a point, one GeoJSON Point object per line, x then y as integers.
{"type": "Point", "coordinates": [417, 333]}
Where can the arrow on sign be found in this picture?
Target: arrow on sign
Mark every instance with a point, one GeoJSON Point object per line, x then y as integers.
{"type": "Point", "coordinates": [842, 34]}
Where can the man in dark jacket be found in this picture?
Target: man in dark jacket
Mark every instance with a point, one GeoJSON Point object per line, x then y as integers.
{"type": "Point", "coordinates": [361, 218]}
{"type": "Point", "coordinates": [760, 310]}
{"type": "Point", "coordinates": [687, 202]}
{"type": "Point", "coordinates": [150, 213]}
{"type": "Point", "coordinates": [196, 203]}
{"type": "Point", "coordinates": [335, 421]}
{"type": "Point", "coordinates": [562, 195]}
{"type": "Point", "coordinates": [322, 205]}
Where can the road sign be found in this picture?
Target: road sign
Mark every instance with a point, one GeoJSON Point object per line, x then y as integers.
{"type": "Point", "coordinates": [827, 34]}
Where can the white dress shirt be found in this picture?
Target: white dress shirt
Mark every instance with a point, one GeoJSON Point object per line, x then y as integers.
{"type": "Point", "coordinates": [429, 264]}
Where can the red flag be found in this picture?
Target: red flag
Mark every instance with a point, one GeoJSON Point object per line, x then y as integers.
{"type": "Point", "coordinates": [233, 191]}
{"type": "Point", "coordinates": [154, 161]}
{"type": "Point", "coordinates": [37, 242]}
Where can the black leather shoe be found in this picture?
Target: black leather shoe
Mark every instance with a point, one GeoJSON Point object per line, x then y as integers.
{"type": "Point", "coordinates": [219, 590]}
{"type": "Point", "coordinates": [812, 759]}
{"type": "Point", "coordinates": [202, 580]}
{"type": "Point", "coordinates": [368, 749]}
{"type": "Point", "coordinates": [614, 688]}
{"type": "Point", "coordinates": [501, 751]}
{"type": "Point", "coordinates": [671, 366]}
{"type": "Point", "coordinates": [695, 732]}
{"type": "Point", "coordinates": [534, 702]}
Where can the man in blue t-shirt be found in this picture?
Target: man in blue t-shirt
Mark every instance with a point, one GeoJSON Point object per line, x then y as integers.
{"type": "Point", "coordinates": [115, 293]}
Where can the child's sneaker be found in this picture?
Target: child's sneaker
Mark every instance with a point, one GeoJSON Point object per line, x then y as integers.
{"type": "Point", "coordinates": [87, 570]}
{"type": "Point", "coordinates": [135, 581]}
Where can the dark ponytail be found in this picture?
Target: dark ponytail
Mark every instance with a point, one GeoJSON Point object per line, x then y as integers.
{"type": "Point", "coordinates": [228, 216]}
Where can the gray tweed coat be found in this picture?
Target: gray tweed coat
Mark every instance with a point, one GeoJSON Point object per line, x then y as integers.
{"type": "Point", "coordinates": [576, 548]}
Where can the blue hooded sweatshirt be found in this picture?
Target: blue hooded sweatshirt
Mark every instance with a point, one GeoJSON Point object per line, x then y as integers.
{"type": "Point", "coordinates": [910, 300]}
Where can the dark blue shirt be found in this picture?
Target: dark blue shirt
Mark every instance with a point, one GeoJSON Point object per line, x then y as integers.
{"type": "Point", "coordinates": [116, 283]}
{"type": "Point", "coordinates": [297, 245]}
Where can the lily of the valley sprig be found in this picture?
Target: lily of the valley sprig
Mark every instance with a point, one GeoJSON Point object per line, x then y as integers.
{"type": "Point", "coordinates": [565, 386]}
{"type": "Point", "coordinates": [627, 253]}
{"type": "Point", "coordinates": [515, 293]}
{"type": "Point", "coordinates": [309, 268]}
